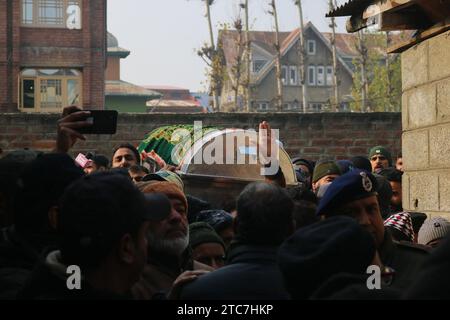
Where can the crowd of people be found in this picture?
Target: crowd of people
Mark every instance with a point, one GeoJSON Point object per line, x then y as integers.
{"type": "Point", "coordinates": [132, 232]}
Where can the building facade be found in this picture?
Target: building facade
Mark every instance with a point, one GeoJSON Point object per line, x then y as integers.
{"type": "Point", "coordinates": [319, 70]}
{"type": "Point", "coordinates": [52, 54]}
{"type": "Point", "coordinates": [174, 100]}
{"type": "Point", "coordinates": [425, 93]}
{"type": "Point", "coordinates": [121, 95]}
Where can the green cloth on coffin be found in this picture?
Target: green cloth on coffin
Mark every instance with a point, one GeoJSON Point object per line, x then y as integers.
{"type": "Point", "coordinates": [163, 140]}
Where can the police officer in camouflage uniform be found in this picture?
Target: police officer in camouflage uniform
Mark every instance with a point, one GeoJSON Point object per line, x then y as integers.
{"type": "Point", "coordinates": [353, 194]}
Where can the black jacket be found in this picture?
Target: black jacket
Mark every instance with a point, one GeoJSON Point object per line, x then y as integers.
{"type": "Point", "coordinates": [48, 281]}
{"type": "Point", "coordinates": [251, 273]}
{"type": "Point", "coordinates": [405, 258]}
{"type": "Point", "coordinates": [433, 280]}
{"type": "Point", "coordinates": [18, 257]}
{"type": "Point", "coordinates": [347, 286]}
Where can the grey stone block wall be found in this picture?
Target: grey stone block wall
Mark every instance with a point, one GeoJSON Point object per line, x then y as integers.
{"type": "Point", "coordinates": [426, 126]}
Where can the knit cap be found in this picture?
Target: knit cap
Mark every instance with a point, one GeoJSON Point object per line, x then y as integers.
{"type": "Point", "coordinates": [433, 229]}
{"type": "Point", "coordinates": [402, 222]}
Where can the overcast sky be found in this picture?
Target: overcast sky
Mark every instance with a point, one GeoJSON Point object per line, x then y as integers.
{"type": "Point", "coordinates": [163, 35]}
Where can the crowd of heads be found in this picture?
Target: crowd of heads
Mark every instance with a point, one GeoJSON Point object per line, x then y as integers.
{"type": "Point", "coordinates": [135, 232]}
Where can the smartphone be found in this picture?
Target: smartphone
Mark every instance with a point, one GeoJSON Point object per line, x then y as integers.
{"type": "Point", "coordinates": [103, 122]}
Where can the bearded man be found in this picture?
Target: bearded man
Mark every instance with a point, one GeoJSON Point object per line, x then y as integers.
{"type": "Point", "coordinates": [168, 245]}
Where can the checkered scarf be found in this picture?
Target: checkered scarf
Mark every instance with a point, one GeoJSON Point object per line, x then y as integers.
{"type": "Point", "coordinates": [402, 222]}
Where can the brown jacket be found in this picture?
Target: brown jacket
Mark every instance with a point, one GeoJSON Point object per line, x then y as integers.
{"type": "Point", "coordinates": [160, 273]}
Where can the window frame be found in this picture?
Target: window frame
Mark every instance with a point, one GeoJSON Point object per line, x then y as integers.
{"type": "Point", "coordinates": [285, 79]}
{"type": "Point", "coordinates": [315, 107]}
{"type": "Point", "coordinates": [312, 82]}
{"type": "Point", "coordinates": [37, 90]}
{"type": "Point", "coordinates": [329, 83]}
{"type": "Point", "coordinates": [313, 52]}
{"type": "Point", "coordinates": [323, 77]}
{"type": "Point", "coordinates": [295, 69]}
{"type": "Point", "coordinates": [36, 15]}
{"type": "Point", "coordinates": [259, 105]}
{"type": "Point", "coordinates": [254, 71]}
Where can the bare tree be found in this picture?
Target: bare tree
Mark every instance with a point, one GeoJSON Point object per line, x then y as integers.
{"type": "Point", "coordinates": [237, 68]}
{"type": "Point", "coordinates": [363, 59]}
{"type": "Point", "coordinates": [248, 59]}
{"type": "Point", "coordinates": [335, 102]}
{"type": "Point", "coordinates": [302, 56]}
{"type": "Point", "coordinates": [209, 52]}
{"type": "Point", "coordinates": [389, 89]}
{"type": "Point", "coordinates": [279, 98]}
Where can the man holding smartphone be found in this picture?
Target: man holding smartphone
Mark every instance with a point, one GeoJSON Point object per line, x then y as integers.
{"type": "Point", "coordinates": [74, 121]}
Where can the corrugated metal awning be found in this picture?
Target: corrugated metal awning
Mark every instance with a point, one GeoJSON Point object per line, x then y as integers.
{"type": "Point", "coordinates": [349, 8]}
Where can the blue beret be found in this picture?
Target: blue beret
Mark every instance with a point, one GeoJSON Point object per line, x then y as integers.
{"type": "Point", "coordinates": [353, 185]}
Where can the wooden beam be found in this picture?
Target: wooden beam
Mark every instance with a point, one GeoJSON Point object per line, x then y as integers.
{"type": "Point", "coordinates": [400, 21]}
{"type": "Point", "coordinates": [432, 32]}
{"type": "Point", "coordinates": [436, 10]}
{"type": "Point", "coordinates": [386, 5]}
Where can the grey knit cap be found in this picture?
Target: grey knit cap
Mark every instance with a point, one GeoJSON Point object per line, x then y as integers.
{"type": "Point", "coordinates": [432, 229]}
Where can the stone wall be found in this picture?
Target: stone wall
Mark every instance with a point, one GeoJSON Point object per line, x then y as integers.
{"type": "Point", "coordinates": [312, 136]}
{"type": "Point", "coordinates": [426, 126]}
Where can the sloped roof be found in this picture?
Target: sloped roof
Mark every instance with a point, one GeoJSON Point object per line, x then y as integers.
{"type": "Point", "coordinates": [263, 39]}
{"type": "Point", "coordinates": [174, 103]}
{"type": "Point", "coordinates": [346, 43]}
{"type": "Point", "coordinates": [163, 87]}
{"type": "Point", "coordinates": [126, 89]}
{"type": "Point", "coordinates": [266, 39]}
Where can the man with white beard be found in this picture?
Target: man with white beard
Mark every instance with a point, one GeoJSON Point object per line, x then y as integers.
{"type": "Point", "coordinates": [168, 245]}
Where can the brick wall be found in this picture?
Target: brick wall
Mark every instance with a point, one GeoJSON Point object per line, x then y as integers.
{"type": "Point", "coordinates": [313, 136]}
{"type": "Point", "coordinates": [426, 126]}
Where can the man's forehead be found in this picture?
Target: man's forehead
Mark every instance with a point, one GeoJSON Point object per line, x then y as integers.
{"type": "Point", "coordinates": [123, 151]}
{"type": "Point", "coordinates": [362, 202]}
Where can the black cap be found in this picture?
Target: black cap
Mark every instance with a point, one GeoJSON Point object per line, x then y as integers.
{"type": "Point", "coordinates": [105, 205]}
{"type": "Point", "coordinates": [354, 185]}
{"type": "Point", "coordinates": [100, 160]}
{"type": "Point", "coordinates": [41, 185]}
{"type": "Point", "coordinates": [216, 218]}
{"type": "Point", "coordinates": [384, 191]}
{"type": "Point", "coordinates": [362, 163]}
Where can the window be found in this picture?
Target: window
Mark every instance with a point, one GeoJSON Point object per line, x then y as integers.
{"type": "Point", "coordinates": [312, 75]}
{"type": "Point", "coordinates": [315, 107]}
{"type": "Point", "coordinates": [284, 74]}
{"type": "Point", "coordinates": [262, 106]}
{"type": "Point", "coordinates": [257, 65]}
{"type": "Point", "coordinates": [49, 90]}
{"type": "Point", "coordinates": [320, 76]}
{"type": "Point", "coordinates": [311, 44]}
{"type": "Point", "coordinates": [52, 13]}
{"type": "Point", "coordinates": [330, 76]}
{"type": "Point", "coordinates": [290, 106]}
{"type": "Point", "coordinates": [293, 75]}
